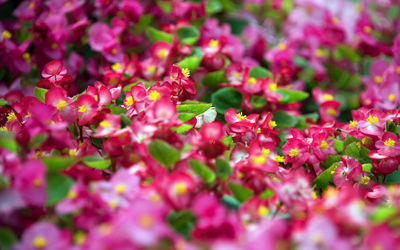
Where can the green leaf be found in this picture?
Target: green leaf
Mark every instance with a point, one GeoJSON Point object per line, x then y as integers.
{"type": "Point", "coordinates": [118, 110]}
{"type": "Point", "coordinates": [197, 108]}
{"type": "Point", "coordinates": [163, 153]}
{"type": "Point", "coordinates": [188, 34]}
{"type": "Point", "coordinates": [182, 222]}
{"type": "Point", "coordinates": [182, 128]}
{"type": "Point", "coordinates": [7, 238]}
{"type": "Point", "coordinates": [3, 102]}
{"type": "Point", "coordinates": [213, 6]}
{"type": "Point", "coordinates": [237, 25]}
{"type": "Point", "coordinates": [268, 193]}
{"type": "Point", "coordinates": [260, 72]}
{"type": "Point", "coordinates": [96, 162]}
{"type": "Point", "coordinates": [165, 6]}
{"type": "Point", "coordinates": [284, 120]}
{"type": "Point", "coordinates": [323, 180]}
{"type": "Point", "coordinates": [382, 214]}
{"type": "Point", "coordinates": [186, 116]}
{"type": "Point", "coordinates": [291, 95]}
{"type": "Point", "coordinates": [257, 101]}
{"type": "Point", "coordinates": [40, 94]}
{"type": "Point", "coordinates": [353, 150]}
{"type": "Point", "coordinates": [226, 98]}
{"type": "Point", "coordinates": [156, 35]}
{"type": "Point", "coordinates": [213, 79]}
{"type": "Point", "coordinates": [330, 159]}
{"type": "Point", "coordinates": [57, 187]}
{"type": "Point", "coordinates": [366, 167]}
{"type": "Point", "coordinates": [230, 202]}
{"type": "Point", "coordinates": [390, 127]}
{"type": "Point", "coordinates": [393, 178]}
{"type": "Point", "coordinates": [8, 142]}
{"type": "Point", "coordinates": [350, 139]}
{"type": "Point", "coordinates": [144, 21]}
{"type": "Point", "coordinates": [223, 168]}
{"type": "Point", "coordinates": [202, 170]}
{"type": "Point", "coordinates": [338, 145]}
{"type": "Point", "coordinates": [240, 192]}
{"type": "Point", "coordinates": [58, 163]}
{"type": "Point", "coordinates": [37, 140]}
{"type": "Point", "coordinates": [190, 62]}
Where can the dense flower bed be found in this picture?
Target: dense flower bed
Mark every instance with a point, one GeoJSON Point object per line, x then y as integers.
{"type": "Point", "coordinates": [219, 124]}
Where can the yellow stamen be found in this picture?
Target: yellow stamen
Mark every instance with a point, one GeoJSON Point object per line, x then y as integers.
{"type": "Point", "coordinates": [273, 86]}
{"type": "Point", "coordinates": [186, 72]}
{"type": "Point", "coordinates": [155, 198]}
{"type": "Point", "coordinates": [372, 119]}
{"type": "Point", "coordinates": [391, 97]}
{"type": "Point", "coordinates": [389, 143]}
{"type": "Point", "coordinates": [378, 79]}
{"type": "Point", "coordinates": [112, 204]}
{"type": "Point", "coordinates": [240, 116]}
{"type": "Point", "coordinates": [353, 124]}
{"type": "Point", "coordinates": [213, 43]}
{"type": "Point", "coordinates": [71, 194]}
{"type": "Point", "coordinates": [162, 53]}
{"type": "Point", "coordinates": [83, 108]}
{"type": "Point", "coordinates": [116, 66]}
{"type": "Point", "coordinates": [27, 57]}
{"type": "Point", "coordinates": [293, 152]}
{"type": "Point", "coordinates": [398, 70]}
{"type": "Point", "coordinates": [367, 29]}
{"type": "Point", "coordinates": [331, 111]}
{"type": "Point", "coordinates": [279, 158]}
{"type": "Point", "coordinates": [37, 182]}
{"type": "Point", "coordinates": [365, 180]}
{"type": "Point", "coordinates": [39, 242]}
{"type": "Point", "coordinates": [146, 221]}
{"type": "Point", "coordinates": [257, 159]}
{"type": "Point", "coordinates": [3, 129]}
{"type": "Point", "coordinates": [262, 210]}
{"type": "Point", "coordinates": [72, 152]}
{"type": "Point", "coordinates": [6, 34]}
{"type": "Point", "coordinates": [67, 4]}
{"type": "Point", "coordinates": [32, 5]}
{"type": "Point", "coordinates": [281, 46]}
{"type": "Point", "coordinates": [120, 188]}
{"type": "Point", "coordinates": [328, 97]}
{"type": "Point", "coordinates": [252, 80]}
{"type": "Point", "coordinates": [61, 105]}
{"type": "Point", "coordinates": [11, 116]}
{"type": "Point", "coordinates": [105, 124]}
{"type": "Point", "coordinates": [319, 53]}
{"type": "Point", "coordinates": [366, 140]}
{"type": "Point", "coordinates": [114, 51]}
{"type": "Point", "coordinates": [153, 95]}
{"type": "Point", "coordinates": [54, 46]}
{"type": "Point", "coordinates": [113, 81]}
{"type": "Point", "coordinates": [151, 70]}
{"type": "Point", "coordinates": [79, 238]}
{"type": "Point", "coordinates": [323, 144]}
{"type": "Point", "coordinates": [272, 124]}
{"type": "Point", "coordinates": [180, 188]}
{"type": "Point", "coordinates": [128, 101]}
{"type": "Point", "coordinates": [266, 152]}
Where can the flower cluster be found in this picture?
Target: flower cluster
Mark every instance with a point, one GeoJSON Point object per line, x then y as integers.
{"type": "Point", "coordinates": [218, 124]}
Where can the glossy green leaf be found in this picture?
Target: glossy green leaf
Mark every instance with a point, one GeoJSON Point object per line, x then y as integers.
{"type": "Point", "coordinates": [240, 192]}
{"type": "Point", "coordinates": [96, 162]}
{"type": "Point", "coordinates": [7, 142]}
{"type": "Point", "coordinates": [291, 95]}
{"type": "Point", "coordinates": [226, 98]}
{"type": "Point", "coordinates": [7, 238]}
{"type": "Point", "coordinates": [156, 35]}
{"type": "Point", "coordinates": [40, 94]}
{"type": "Point", "coordinates": [190, 62]}
{"type": "Point", "coordinates": [213, 79]}
{"type": "Point", "coordinates": [163, 153]}
{"type": "Point", "coordinates": [260, 72]}
{"type": "Point", "coordinates": [223, 168]}
{"type": "Point", "coordinates": [57, 187]}
{"type": "Point", "coordinates": [58, 163]}
{"type": "Point", "coordinates": [196, 108]}
{"type": "Point", "coordinates": [188, 34]}
{"type": "Point", "coordinates": [203, 171]}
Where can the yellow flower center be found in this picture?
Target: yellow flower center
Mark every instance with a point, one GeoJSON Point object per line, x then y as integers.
{"type": "Point", "coordinates": [3, 129]}
{"type": "Point", "coordinates": [105, 124]}
{"type": "Point", "coordinates": [61, 105]}
{"type": "Point", "coordinates": [319, 53]}
{"type": "Point", "coordinates": [155, 198]}
{"type": "Point", "coordinates": [11, 116]}
{"type": "Point", "coordinates": [365, 180]}
{"type": "Point", "coordinates": [279, 158]}
{"type": "Point", "coordinates": [389, 143]}
{"type": "Point", "coordinates": [366, 140]}
{"type": "Point", "coordinates": [71, 194]}
{"type": "Point", "coordinates": [146, 221]}
{"type": "Point", "coordinates": [391, 97]}
{"type": "Point", "coordinates": [323, 144]}
{"type": "Point", "coordinates": [353, 124]}
{"type": "Point", "coordinates": [27, 57]}
{"type": "Point", "coordinates": [272, 124]}
{"type": "Point", "coordinates": [6, 34]}
{"type": "Point", "coordinates": [113, 81]}
{"type": "Point", "coordinates": [328, 97]}
{"type": "Point", "coordinates": [378, 79]}
{"type": "Point", "coordinates": [262, 210]}
{"type": "Point", "coordinates": [367, 29]}
{"type": "Point", "coordinates": [37, 182]}
{"type": "Point", "coordinates": [273, 86]}
{"type": "Point", "coordinates": [180, 188]}
{"type": "Point", "coordinates": [331, 111]}
{"type": "Point", "coordinates": [151, 70]}
{"type": "Point", "coordinates": [80, 238]}
{"type": "Point", "coordinates": [335, 20]}
{"type": "Point", "coordinates": [39, 242]}
{"type": "Point", "coordinates": [252, 80]}
{"type": "Point", "coordinates": [372, 119]}
{"type": "Point", "coordinates": [398, 69]}
{"type": "Point", "coordinates": [120, 188]}
{"type": "Point", "coordinates": [162, 53]}
{"type": "Point", "coordinates": [153, 95]}
{"type": "Point", "coordinates": [257, 159]}
{"type": "Point", "coordinates": [213, 43]}
{"type": "Point", "coordinates": [266, 152]}
{"type": "Point", "coordinates": [83, 108]}
{"type": "Point", "coordinates": [240, 116]}
{"type": "Point", "coordinates": [32, 5]}
{"type": "Point", "coordinates": [116, 66]}
{"type": "Point", "coordinates": [186, 72]}
{"type": "Point", "coordinates": [128, 101]}
{"type": "Point", "coordinates": [281, 46]}
{"type": "Point", "coordinates": [293, 152]}
{"type": "Point", "coordinates": [72, 152]}
{"type": "Point", "coordinates": [54, 46]}
{"type": "Point", "coordinates": [113, 204]}
{"type": "Point", "coordinates": [114, 51]}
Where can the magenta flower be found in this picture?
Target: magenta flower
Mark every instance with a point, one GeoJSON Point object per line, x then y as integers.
{"type": "Point", "coordinates": [108, 126]}
{"type": "Point", "coordinates": [296, 152]}
{"type": "Point", "coordinates": [54, 71]}
{"type": "Point", "coordinates": [43, 235]}
{"type": "Point", "coordinates": [348, 171]}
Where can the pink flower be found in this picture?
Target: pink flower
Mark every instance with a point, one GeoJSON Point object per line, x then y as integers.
{"type": "Point", "coordinates": [348, 171]}
{"type": "Point", "coordinates": [108, 126]}
{"type": "Point", "coordinates": [296, 152]}
{"type": "Point", "coordinates": [54, 71]}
